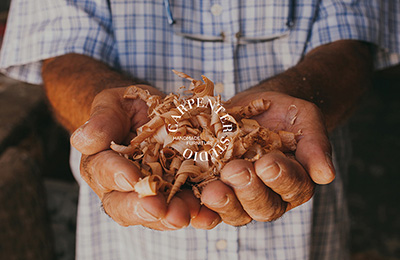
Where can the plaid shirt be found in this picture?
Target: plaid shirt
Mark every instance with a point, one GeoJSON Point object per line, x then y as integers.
{"type": "Point", "coordinates": [235, 43]}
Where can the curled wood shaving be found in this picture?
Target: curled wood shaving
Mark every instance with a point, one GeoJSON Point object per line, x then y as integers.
{"type": "Point", "coordinates": [148, 186]}
{"type": "Point", "coordinates": [255, 107]}
{"type": "Point", "coordinates": [187, 168]}
{"type": "Point", "coordinates": [188, 140]}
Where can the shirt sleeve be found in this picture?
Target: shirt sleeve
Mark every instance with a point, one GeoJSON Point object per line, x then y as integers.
{"type": "Point", "coordinates": [38, 29]}
{"type": "Point", "coordinates": [373, 21]}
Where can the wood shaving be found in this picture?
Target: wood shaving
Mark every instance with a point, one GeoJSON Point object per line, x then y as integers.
{"type": "Point", "coordinates": [188, 140]}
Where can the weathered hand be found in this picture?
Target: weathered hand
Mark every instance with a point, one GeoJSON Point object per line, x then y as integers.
{"type": "Point", "coordinates": [112, 177]}
{"type": "Point", "coordinates": [276, 183]}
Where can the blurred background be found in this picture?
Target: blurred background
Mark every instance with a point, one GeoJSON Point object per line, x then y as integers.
{"type": "Point", "coordinates": [38, 195]}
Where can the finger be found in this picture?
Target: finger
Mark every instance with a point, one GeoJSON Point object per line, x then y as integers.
{"type": "Point", "coordinates": [110, 120]}
{"type": "Point", "coordinates": [286, 177]}
{"type": "Point", "coordinates": [191, 201]}
{"type": "Point", "coordinates": [127, 209]}
{"type": "Point", "coordinates": [178, 215]}
{"type": "Point", "coordinates": [313, 147]}
{"type": "Point", "coordinates": [107, 171]}
{"type": "Point", "coordinates": [201, 216]}
{"type": "Point", "coordinates": [259, 201]}
{"type": "Point", "coordinates": [206, 219]}
{"type": "Point", "coordinates": [314, 153]}
{"type": "Point", "coordinates": [218, 197]}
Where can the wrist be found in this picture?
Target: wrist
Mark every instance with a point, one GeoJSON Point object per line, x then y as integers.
{"type": "Point", "coordinates": [72, 81]}
{"type": "Point", "coordinates": [333, 77]}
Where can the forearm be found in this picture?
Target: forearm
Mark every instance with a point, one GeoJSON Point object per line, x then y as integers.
{"type": "Point", "coordinates": [333, 77]}
{"type": "Point", "coordinates": [72, 81]}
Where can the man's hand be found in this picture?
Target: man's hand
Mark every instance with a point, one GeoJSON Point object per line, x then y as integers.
{"type": "Point", "coordinates": [332, 77]}
{"type": "Point", "coordinates": [79, 87]}
{"type": "Point", "coordinates": [276, 183]}
{"type": "Point", "coordinates": [112, 176]}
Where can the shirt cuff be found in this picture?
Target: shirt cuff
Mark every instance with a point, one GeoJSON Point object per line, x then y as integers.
{"type": "Point", "coordinates": [53, 29]}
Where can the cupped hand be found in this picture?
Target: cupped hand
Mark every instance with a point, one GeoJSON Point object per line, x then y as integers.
{"type": "Point", "coordinates": [112, 176]}
{"type": "Point", "coordinates": [266, 189]}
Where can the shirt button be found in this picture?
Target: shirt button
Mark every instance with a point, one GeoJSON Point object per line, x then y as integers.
{"type": "Point", "coordinates": [221, 244]}
{"type": "Point", "coordinates": [216, 9]}
{"type": "Point", "coordinates": [219, 88]}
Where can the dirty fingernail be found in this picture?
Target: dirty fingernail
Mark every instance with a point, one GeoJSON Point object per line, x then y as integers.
{"type": "Point", "coordinates": [122, 182]}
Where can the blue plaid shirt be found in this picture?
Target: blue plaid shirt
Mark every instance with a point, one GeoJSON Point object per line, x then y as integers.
{"type": "Point", "coordinates": [235, 43]}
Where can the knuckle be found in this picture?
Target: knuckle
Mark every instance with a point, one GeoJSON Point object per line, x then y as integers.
{"type": "Point", "coordinates": [302, 196]}
{"type": "Point", "coordinates": [103, 93]}
{"type": "Point", "coordinates": [85, 171]}
{"type": "Point", "coordinates": [91, 169]}
{"type": "Point", "coordinates": [273, 208]}
{"type": "Point", "coordinates": [111, 209]}
{"type": "Point", "coordinates": [315, 111]}
{"type": "Point", "coordinates": [237, 222]}
{"type": "Point", "coordinates": [277, 212]}
{"type": "Point", "coordinates": [106, 204]}
{"type": "Point", "coordinates": [312, 107]}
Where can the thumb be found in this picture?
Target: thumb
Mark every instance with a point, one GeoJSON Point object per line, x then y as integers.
{"type": "Point", "coordinates": [314, 150]}
{"type": "Point", "coordinates": [314, 153]}
{"type": "Point", "coordinates": [108, 122]}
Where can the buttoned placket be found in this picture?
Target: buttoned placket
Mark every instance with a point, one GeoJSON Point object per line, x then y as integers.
{"type": "Point", "coordinates": [220, 56]}
{"type": "Point", "coordinates": [223, 241]}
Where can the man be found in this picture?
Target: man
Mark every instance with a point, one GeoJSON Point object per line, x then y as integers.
{"type": "Point", "coordinates": [312, 59]}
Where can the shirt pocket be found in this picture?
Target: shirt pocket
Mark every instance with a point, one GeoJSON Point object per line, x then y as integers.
{"type": "Point", "coordinates": [265, 20]}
